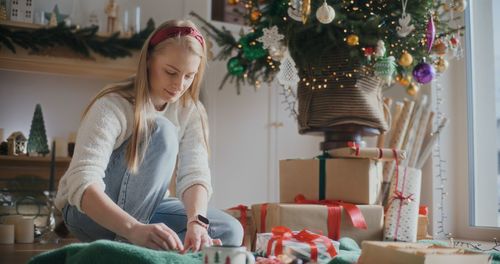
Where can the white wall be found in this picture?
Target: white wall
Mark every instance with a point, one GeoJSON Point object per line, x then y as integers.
{"type": "Point", "coordinates": [62, 98]}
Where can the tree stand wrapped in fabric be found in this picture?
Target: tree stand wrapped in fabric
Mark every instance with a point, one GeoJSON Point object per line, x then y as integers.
{"type": "Point", "coordinates": [340, 99]}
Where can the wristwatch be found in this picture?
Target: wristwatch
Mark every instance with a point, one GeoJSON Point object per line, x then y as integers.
{"type": "Point", "coordinates": [199, 219]}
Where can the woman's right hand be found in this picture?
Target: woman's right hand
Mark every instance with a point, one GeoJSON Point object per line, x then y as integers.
{"type": "Point", "coordinates": [155, 236]}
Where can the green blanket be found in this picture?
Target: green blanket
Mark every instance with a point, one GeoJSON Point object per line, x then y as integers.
{"type": "Point", "coordinates": [110, 252]}
{"type": "Point", "coordinates": [106, 251]}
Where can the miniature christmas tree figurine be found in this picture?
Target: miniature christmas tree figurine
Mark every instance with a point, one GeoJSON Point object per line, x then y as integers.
{"type": "Point", "coordinates": [216, 258]}
{"type": "Point", "coordinates": [37, 141]}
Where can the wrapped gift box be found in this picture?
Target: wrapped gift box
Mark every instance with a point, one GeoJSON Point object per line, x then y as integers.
{"type": "Point", "coordinates": [244, 215]}
{"type": "Point", "coordinates": [294, 247]}
{"type": "Point", "coordinates": [315, 218]}
{"type": "Point", "coordinates": [417, 253]}
{"type": "Point", "coordinates": [355, 181]}
{"type": "Point", "coordinates": [401, 218]}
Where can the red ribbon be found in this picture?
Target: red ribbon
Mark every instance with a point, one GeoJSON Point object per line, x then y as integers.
{"type": "Point", "coordinates": [334, 214]}
{"type": "Point", "coordinates": [279, 234]}
{"type": "Point", "coordinates": [355, 146]}
{"type": "Point", "coordinates": [243, 218]}
{"type": "Point", "coordinates": [263, 215]}
{"type": "Point", "coordinates": [399, 195]}
{"type": "Point", "coordinates": [283, 233]}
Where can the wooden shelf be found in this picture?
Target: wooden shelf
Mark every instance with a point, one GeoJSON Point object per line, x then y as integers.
{"type": "Point", "coordinates": [16, 166]}
{"type": "Point", "coordinates": [61, 60]}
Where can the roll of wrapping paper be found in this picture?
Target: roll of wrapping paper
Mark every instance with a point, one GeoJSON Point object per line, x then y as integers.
{"type": "Point", "coordinates": [367, 153]}
{"type": "Point", "coordinates": [419, 139]}
{"type": "Point", "coordinates": [397, 138]}
{"type": "Point", "coordinates": [387, 105]}
{"type": "Point", "coordinates": [398, 108]}
{"type": "Point", "coordinates": [411, 133]}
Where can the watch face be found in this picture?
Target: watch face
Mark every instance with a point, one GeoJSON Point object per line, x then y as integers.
{"type": "Point", "coordinates": [203, 219]}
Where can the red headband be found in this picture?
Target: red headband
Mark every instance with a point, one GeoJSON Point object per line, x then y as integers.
{"type": "Point", "coordinates": [170, 32]}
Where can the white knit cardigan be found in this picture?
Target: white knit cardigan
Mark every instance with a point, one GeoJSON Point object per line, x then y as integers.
{"type": "Point", "coordinates": [108, 124]}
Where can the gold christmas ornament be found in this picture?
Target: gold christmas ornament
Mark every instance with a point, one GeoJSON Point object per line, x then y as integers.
{"type": "Point", "coordinates": [306, 10]}
{"type": "Point", "coordinates": [404, 80]}
{"type": "Point", "coordinates": [406, 59]}
{"type": "Point", "coordinates": [440, 48]}
{"type": "Point", "coordinates": [352, 40]}
{"type": "Point", "coordinates": [255, 15]}
{"type": "Point", "coordinates": [325, 13]}
{"type": "Point", "coordinates": [441, 65]}
{"type": "Point", "coordinates": [233, 2]}
{"type": "Point", "coordinates": [412, 89]}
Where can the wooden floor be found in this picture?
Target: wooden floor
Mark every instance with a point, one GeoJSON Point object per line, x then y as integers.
{"type": "Point", "coordinates": [22, 253]}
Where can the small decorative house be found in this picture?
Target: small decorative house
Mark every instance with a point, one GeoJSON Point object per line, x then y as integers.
{"type": "Point", "coordinates": [17, 144]}
{"type": "Point", "coordinates": [21, 11]}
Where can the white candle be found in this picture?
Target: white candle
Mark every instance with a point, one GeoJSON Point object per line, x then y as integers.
{"type": "Point", "coordinates": [61, 147]}
{"type": "Point", "coordinates": [11, 219]}
{"type": "Point", "coordinates": [24, 227]}
{"type": "Point", "coordinates": [137, 19]}
{"type": "Point", "coordinates": [25, 230]}
{"type": "Point", "coordinates": [125, 21]}
{"type": "Point", "coordinates": [6, 234]}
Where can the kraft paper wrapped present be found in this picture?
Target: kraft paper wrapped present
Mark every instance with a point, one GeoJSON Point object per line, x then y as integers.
{"type": "Point", "coordinates": [316, 218]}
{"type": "Point", "coordinates": [353, 180]}
{"type": "Point", "coordinates": [401, 219]}
{"type": "Point", "coordinates": [307, 244]}
{"type": "Point", "coordinates": [244, 215]}
{"type": "Point", "coordinates": [417, 253]}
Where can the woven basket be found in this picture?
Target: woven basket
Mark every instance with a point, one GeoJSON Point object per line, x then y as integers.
{"type": "Point", "coordinates": [353, 96]}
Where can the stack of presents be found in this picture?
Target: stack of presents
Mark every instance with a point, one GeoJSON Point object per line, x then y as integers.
{"type": "Point", "coordinates": [339, 194]}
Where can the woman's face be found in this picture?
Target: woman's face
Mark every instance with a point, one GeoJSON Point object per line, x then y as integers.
{"type": "Point", "coordinates": [171, 72]}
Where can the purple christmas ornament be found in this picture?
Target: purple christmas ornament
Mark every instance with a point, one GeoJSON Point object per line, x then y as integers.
{"type": "Point", "coordinates": [430, 34]}
{"type": "Point", "coordinates": [424, 73]}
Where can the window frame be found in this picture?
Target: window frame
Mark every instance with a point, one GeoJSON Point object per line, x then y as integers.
{"type": "Point", "coordinates": [463, 186]}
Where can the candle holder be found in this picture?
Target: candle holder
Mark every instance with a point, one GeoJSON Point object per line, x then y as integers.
{"type": "Point", "coordinates": [49, 236]}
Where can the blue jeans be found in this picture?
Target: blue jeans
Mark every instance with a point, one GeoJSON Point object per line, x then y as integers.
{"type": "Point", "coordinates": [142, 194]}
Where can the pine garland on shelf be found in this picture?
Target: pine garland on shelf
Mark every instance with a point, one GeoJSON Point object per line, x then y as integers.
{"type": "Point", "coordinates": [82, 41]}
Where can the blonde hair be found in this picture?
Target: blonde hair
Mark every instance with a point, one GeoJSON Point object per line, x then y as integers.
{"type": "Point", "coordinates": [136, 90]}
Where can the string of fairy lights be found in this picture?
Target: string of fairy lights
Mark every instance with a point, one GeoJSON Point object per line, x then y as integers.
{"type": "Point", "coordinates": [439, 171]}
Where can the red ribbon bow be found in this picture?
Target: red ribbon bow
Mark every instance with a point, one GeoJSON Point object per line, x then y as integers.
{"type": "Point", "coordinates": [335, 213]}
{"type": "Point", "coordinates": [283, 233]}
{"type": "Point", "coordinates": [243, 217]}
{"type": "Point", "coordinates": [404, 199]}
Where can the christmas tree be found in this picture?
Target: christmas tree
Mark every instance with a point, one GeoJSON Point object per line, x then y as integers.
{"type": "Point", "coordinates": [386, 38]}
{"type": "Point", "coordinates": [37, 141]}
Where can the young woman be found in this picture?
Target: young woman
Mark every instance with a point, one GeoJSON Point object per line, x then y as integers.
{"type": "Point", "coordinates": [132, 136]}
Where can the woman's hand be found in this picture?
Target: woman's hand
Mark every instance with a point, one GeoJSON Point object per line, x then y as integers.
{"type": "Point", "coordinates": [156, 236]}
{"type": "Point", "coordinates": [196, 237]}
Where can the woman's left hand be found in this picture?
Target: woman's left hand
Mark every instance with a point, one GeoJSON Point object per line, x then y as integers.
{"type": "Point", "coordinates": [196, 237]}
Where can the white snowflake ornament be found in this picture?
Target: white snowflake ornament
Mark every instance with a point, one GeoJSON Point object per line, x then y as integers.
{"type": "Point", "coordinates": [271, 38]}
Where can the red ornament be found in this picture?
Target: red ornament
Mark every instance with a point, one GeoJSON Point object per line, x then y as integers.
{"type": "Point", "coordinates": [454, 41]}
{"type": "Point", "coordinates": [368, 51]}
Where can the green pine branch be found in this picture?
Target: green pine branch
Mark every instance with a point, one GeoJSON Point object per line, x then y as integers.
{"type": "Point", "coordinates": [82, 41]}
